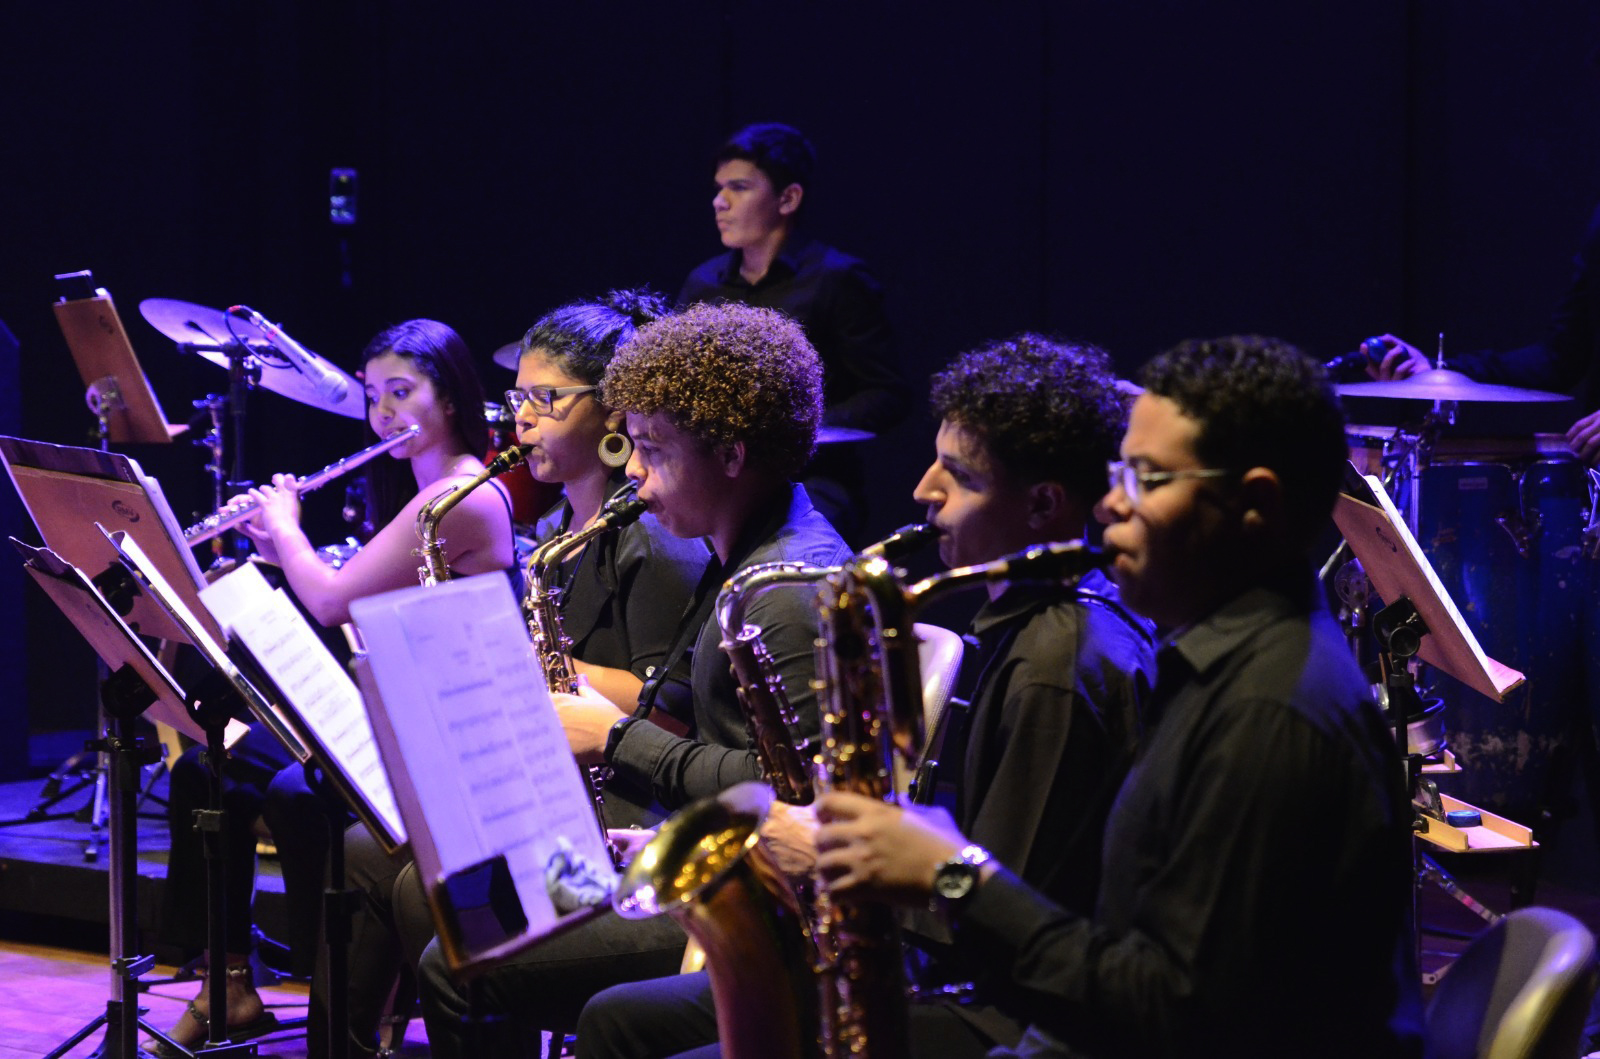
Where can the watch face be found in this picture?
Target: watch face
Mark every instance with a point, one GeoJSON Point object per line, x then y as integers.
{"type": "Point", "coordinates": [954, 881]}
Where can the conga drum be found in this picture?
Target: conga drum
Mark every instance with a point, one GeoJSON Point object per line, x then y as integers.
{"type": "Point", "coordinates": [1502, 521]}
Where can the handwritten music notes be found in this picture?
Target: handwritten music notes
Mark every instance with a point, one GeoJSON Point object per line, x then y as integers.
{"type": "Point", "coordinates": [314, 685]}
{"type": "Point", "coordinates": [480, 764]}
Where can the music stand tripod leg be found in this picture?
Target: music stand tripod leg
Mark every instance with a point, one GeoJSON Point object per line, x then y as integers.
{"type": "Point", "coordinates": [126, 697]}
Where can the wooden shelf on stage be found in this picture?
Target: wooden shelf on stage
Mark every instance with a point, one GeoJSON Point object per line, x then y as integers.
{"type": "Point", "coordinates": [1444, 763]}
{"type": "Point", "coordinates": [1495, 835]}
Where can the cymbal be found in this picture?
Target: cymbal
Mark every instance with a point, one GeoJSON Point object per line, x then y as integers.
{"type": "Point", "coordinates": [507, 355]}
{"type": "Point", "coordinates": [207, 330]}
{"type": "Point", "coordinates": [836, 435]}
{"type": "Point", "coordinates": [1442, 384]}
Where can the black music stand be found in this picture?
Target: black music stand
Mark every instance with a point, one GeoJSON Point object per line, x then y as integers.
{"type": "Point", "coordinates": [137, 682]}
{"type": "Point", "coordinates": [329, 718]}
{"type": "Point", "coordinates": [224, 688]}
{"type": "Point", "coordinates": [1421, 621]}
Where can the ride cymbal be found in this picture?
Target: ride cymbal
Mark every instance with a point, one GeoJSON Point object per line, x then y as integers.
{"type": "Point", "coordinates": [212, 332]}
{"type": "Point", "coordinates": [1442, 384]}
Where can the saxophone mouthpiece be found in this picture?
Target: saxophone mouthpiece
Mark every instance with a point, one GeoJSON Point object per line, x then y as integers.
{"type": "Point", "coordinates": [902, 542]}
{"type": "Point", "coordinates": [623, 508]}
{"type": "Point", "coordinates": [507, 460]}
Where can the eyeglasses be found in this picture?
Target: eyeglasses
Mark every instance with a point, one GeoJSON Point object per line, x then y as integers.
{"type": "Point", "coordinates": [1135, 483]}
{"type": "Point", "coordinates": [543, 398]}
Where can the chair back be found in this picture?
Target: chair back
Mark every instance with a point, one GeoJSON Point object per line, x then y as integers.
{"type": "Point", "coordinates": [939, 651]}
{"type": "Point", "coordinates": [1521, 990]}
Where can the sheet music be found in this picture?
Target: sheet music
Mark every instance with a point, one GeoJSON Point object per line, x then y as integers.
{"type": "Point", "coordinates": [476, 738]}
{"type": "Point", "coordinates": [188, 621]}
{"type": "Point", "coordinates": [315, 684]}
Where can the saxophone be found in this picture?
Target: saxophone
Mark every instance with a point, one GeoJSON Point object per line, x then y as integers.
{"type": "Point", "coordinates": [769, 717]}
{"type": "Point", "coordinates": [435, 566]}
{"type": "Point", "coordinates": [706, 867]}
{"type": "Point", "coordinates": [542, 608]}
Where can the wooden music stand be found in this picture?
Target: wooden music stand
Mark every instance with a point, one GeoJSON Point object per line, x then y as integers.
{"type": "Point", "coordinates": [1398, 569]}
{"type": "Point", "coordinates": [137, 682]}
{"type": "Point", "coordinates": [117, 390]}
{"type": "Point", "coordinates": [1429, 627]}
{"type": "Point", "coordinates": [68, 490]}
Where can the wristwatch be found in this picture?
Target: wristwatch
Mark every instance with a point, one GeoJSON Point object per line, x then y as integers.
{"type": "Point", "coordinates": [956, 879]}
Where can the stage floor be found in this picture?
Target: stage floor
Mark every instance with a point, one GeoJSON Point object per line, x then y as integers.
{"type": "Point", "coordinates": [54, 904]}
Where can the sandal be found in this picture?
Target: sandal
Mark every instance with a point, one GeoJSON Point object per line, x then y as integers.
{"type": "Point", "coordinates": [194, 1026]}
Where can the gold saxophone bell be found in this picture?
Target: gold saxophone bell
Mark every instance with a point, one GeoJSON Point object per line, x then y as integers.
{"type": "Point", "coordinates": [706, 868]}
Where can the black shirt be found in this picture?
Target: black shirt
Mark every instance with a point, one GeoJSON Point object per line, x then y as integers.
{"type": "Point", "coordinates": [622, 596]}
{"type": "Point", "coordinates": [1054, 724]}
{"type": "Point", "coordinates": [839, 304]}
{"type": "Point", "coordinates": [1266, 806]}
{"type": "Point", "coordinates": [1059, 681]}
{"type": "Point", "coordinates": [677, 770]}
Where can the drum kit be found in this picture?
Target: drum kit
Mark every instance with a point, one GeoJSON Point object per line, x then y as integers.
{"type": "Point", "coordinates": [1509, 525]}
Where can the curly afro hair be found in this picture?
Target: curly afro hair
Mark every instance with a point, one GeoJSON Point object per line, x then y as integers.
{"type": "Point", "coordinates": [725, 373]}
{"type": "Point", "coordinates": [1046, 410]}
{"type": "Point", "coordinates": [1260, 402]}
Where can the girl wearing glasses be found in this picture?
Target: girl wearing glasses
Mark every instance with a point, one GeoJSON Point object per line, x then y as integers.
{"type": "Point", "coordinates": [623, 597]}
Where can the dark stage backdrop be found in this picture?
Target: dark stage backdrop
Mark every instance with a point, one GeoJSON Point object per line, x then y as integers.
{"type": "Point", "coordinates": [1129, 173]}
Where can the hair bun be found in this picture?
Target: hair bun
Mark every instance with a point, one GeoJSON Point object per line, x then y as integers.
{"type": "Point", "coordinates": [640, 305]}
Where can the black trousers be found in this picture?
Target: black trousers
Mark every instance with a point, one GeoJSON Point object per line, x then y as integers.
{"type": "Point", "coordinates": [545, 986]}
{"type": "Point", "coordinates": [246, 773]}
{"type": "Point", "coordinates": [676, 1016]}
{"type": "Point", "coordinates": [390, 926]}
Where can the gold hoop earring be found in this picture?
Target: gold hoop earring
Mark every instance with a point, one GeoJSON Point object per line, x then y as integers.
{"type": "Point", "coordinates": [615, 449]}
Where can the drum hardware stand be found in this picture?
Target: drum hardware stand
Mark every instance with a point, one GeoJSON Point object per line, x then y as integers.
{"type": "Point", "coordinates": [244, 374]}
{"type": "Point", "coordinates": [1399, 630]}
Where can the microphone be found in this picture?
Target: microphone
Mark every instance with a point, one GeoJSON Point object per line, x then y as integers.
{"type": "Point", "coordinates": [1371, 351]}
{"type": "Point", "coordinates": [331, 386]}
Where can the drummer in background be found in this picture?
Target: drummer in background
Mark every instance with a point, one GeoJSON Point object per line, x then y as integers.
{"type": "Point", "coordinates": [418, 372]}
{"type": "Point", "coordinates": [763, 178]}
{"type": "Point", "coordinates": [1566, 359]}
{"type": "Point", "coordinates": [622, 597]}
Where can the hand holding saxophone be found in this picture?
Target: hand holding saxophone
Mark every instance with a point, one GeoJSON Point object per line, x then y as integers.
{"type": "Point", "coordinates": [870, 850]}
{"type": "Point", "coordinates": [586, 717]}
{"type": "Point", "coordinates": [789, 833]}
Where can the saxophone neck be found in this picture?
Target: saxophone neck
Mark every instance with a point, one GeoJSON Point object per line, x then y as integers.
{"type": "Point", "coordinates": [624, 508]}
{"type": "Point", "coordinates": [435, 568]}
{"type": "Point", "coordinates": [745, 585]}
{"type": "Point", "coordinates": [1059, 562]}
